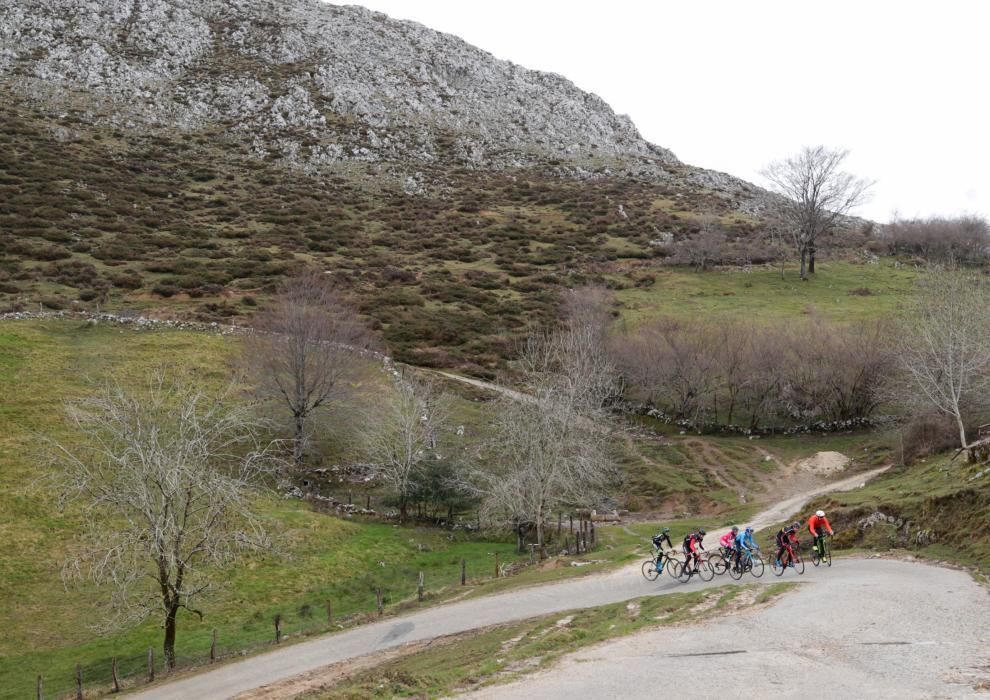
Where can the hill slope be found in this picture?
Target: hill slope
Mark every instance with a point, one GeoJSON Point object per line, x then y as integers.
{"type": "Point", "coordinates": [179, 158]}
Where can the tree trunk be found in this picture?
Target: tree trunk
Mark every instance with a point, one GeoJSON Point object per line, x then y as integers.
{"type": "Point", "coordinates": [403, 511]}
{"type": "Point", "coordinates": [539, 538]}
{"type": "Point", "coordinates": [811, 260]}
{"type": "Point", "coordinates": [520, 544]}
{"type": "Point", "coordinates": [804, 263]}
{"type": "Point", "coordinates": [962, 432]}
{"type": "Point", "coordinates": [169, 646]}
{"type": "Point", "coordinates": [297, 447]}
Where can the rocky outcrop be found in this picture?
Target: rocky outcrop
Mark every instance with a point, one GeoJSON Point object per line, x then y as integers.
{"type": "Point", "coordinates": [310, 83]}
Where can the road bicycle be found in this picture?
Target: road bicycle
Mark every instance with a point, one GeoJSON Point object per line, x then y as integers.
{"type": "Point", "coordinates": [826, 554]}
{"type": "Point", "coordinates": [790, 556]}
{"type": "Point", "coordinates": [748, 561]}
{"type": "Point", "coordinates": [656, 565]}
{"type": "Point", "coordinates": [720, 562]}
{"type": "Point", "coordinates": [727, 556]}
{"type": "Point", "coordinates": [703, 570]}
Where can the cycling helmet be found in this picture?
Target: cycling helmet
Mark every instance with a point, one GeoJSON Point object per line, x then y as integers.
{"type": "Point", "coordinates": [665, 531]}
{"type": "Point", "coordinates": [796, 526]}
{"type": "Point", "coordinates": [749, 528]}
{"type": "Point", "coordinates": [820, 513]}
{"type": "Point", "coordinates": [701, 531]}
{"type": "Point", "coordinates": [735, 528]}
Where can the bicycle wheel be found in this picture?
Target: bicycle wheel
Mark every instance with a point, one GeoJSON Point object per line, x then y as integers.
{"type": "Point", "coordinates": [706, 570]}
{"type": "Point", "coordinates": [673, 567]}
{"type": "Point", "coordinates": [650, 572]}
{"type": "Point", "coordinates": [777, 567]}
{"type": "Point", "coordinates": [799, 565]}
{"type": "Point", "coordinates": [756, 566]}
{"type": "Point", "coordinates": [814, 556]}
{"type": "Point", "coordinates": [736, 572]}
{"type": "Point", "coordinates": [828, 553]}
{"type": "Point", "coordinates": [719, 564]}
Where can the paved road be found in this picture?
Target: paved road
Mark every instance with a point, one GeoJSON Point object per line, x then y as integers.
{"type": "Point", "coordinates": [589, 591]}
{"type": "Point", "coordinates": [866, 628]}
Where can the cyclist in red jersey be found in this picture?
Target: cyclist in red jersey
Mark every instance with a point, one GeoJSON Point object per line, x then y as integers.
{"type": "Point", "coordinates": [786, 539]}
{"type": "Point", "coordinates": [818, 525]}
{"type": "Point", "coordinates": [692, 543]}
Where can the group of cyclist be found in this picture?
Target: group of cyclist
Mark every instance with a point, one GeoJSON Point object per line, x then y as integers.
{"type": "Point", "coordinates": [736, 542]}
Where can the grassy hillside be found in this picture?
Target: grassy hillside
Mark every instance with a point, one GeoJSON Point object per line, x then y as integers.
{"type": "Point", "coordinates": [44, 363]}
{"type": "Point", "coordinates": [935, 507]}
{"type": "Point", "coordinates": [46, 627]}
{"type": "Point", "coordinates": [840, 290]}
{"type": "Point", "coordinates": [192, 224]}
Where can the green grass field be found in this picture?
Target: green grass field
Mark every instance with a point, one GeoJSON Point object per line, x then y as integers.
{"type": "Point", "coordinates": [46, 626]}
{"type": "Point", "coordinates": [840, 290]}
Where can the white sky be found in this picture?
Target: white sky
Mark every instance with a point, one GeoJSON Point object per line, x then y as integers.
{"type": "Point", "coordinates": [733, 85]}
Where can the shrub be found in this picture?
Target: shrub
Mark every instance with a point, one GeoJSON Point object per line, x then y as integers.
{"type": "Point", "coordinates": [929, 434]}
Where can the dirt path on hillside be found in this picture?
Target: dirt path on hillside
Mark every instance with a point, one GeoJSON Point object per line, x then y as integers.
{"type": "Point", "coordinates": [857, 630]}
{"type": "Point", "coordinates": [281, 665]}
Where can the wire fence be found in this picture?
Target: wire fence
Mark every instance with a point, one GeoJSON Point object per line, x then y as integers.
{"type": "Point", "coordinates": [100, 677]}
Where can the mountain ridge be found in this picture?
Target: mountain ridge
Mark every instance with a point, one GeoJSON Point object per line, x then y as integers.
{"type": "Point", "coordinates": [292, 74]}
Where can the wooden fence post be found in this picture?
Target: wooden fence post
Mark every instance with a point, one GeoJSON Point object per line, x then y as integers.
{"type": "Point", "coordinates": [369, 502]}
{"type": "Point", "coordinates": [278, 628]}
{"type": "Point", "coordinates": [592, 527]}
{"type": "Point", "coordinates": [329, 613]}
{"type": "Point", "coordinates": [151, 665]}
{"type": "Point", "coordinates": [420, 586]}
{"type": "Point", "coordinates": [560, 518]}
{"type": "Point", "coordinates": [213, 646]}
{"type": "Point", "coordinates": [41, 688]}
{"type": "Point", "coordinates": [496, 564]}
{"type": "Point", "coordinates": [463, 571]}
{"type": "Point", "coordinates": [567, 544]}
{"type": "Point", "coordinates": [350, 498]}
{"type": "Point", "coordinates": [79, 692]}
{"type": "Point", "coordinates": [571, 516]}
{"type": "Point", "coordinates": [381, 601]}
{"type": "Point", "coordinates": [113, 673]}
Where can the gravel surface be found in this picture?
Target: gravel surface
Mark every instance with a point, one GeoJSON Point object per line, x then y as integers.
{"type": "Point", "coordinates": [866, 628]}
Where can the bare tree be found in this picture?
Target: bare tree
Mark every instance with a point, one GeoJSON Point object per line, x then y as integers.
{"type": "Point", "coordinates": [834, 373]}
{"type": "Point", "coordinates": [166, 476]}
{"type": "Point", "coordinates": [552, 448]}
{"type": "Point", "coordinates": [307, 350]}
{"type": "Point", "coordinates": [816, 195]}
{"type": "Point", "coordinates": [402, 431]}
{"type": "Point", "coordinates": [943, 349]}
{"type": "Point", "coordinates": [706, 248]}
{"type": "Point", "coordinates": [673, 363]}
{"type": "Point", "coordinates": [963, 240]}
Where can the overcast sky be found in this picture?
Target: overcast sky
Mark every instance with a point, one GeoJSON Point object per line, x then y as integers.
{"type": "Point", "coordinates": [733, 85]}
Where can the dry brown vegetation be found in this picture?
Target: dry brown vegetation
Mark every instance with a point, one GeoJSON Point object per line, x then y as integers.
{"type": "Point", "coordinates": [751, 376]}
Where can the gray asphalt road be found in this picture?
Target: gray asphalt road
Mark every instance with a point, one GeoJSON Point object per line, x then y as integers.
{"type": "Point", "coordinates": [862, 629]}
{"type": "Point", "coordinates": [626, 583]}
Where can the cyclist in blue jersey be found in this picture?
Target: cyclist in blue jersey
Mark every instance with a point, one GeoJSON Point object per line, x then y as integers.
{"type": "Point", "coordinates": [745, 541]}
